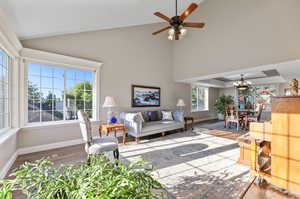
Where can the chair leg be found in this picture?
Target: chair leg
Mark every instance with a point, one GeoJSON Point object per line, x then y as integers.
{"type": "Point", "coordinates": [89, 160]}
{"type": "Point", "coordinates": [116, 154]}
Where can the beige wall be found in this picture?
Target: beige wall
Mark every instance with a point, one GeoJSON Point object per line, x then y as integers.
{"type": "Point", "coordinates": [129, 56]}
{"type": "Point", "coordinates": [238, 35]}
{"type": "Point", "coordinates": [227, 91]}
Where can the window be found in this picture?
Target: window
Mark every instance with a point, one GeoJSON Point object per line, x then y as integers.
{"type": "Point", "coordinates": [5, 62]}
{"type": "Point", "coordinates": [199, 99]}
{"type": "Point", "coordinates": [55, 93]}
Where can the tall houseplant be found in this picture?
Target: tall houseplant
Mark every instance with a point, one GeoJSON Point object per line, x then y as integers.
{"type": "Point", "coordinates": [220, 105]}
{"type": "Point", "coordinates": [98, 179]}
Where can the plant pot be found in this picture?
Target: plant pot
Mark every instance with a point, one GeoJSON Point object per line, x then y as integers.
{"type": "Point", "coordinates": [220, 116]}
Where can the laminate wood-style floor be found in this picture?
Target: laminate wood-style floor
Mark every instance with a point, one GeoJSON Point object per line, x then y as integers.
{"type": "Point", "coordinates": [76, 154]}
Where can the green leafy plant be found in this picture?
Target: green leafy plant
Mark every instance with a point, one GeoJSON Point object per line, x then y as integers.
{"type": "Point", "coordinates": [6, 188]}
{"type": "Point", "coordinates": [98, 179]}
{"type": "Point", "coordinates": [221, 102]}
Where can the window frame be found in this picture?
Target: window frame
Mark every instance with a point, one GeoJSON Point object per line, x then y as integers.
{"type": "Point", "coordinates": [64, 98]}
{"type": "Point", "coordinates": [30, 56]}
{"type": "Point", "coordinates": [206, 102]}
{"type": "Point", "coordinates": [9, 87]}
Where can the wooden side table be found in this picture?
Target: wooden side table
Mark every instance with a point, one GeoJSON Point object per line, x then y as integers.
{"type": "Point", "coordinates": [186, 119]}
{"type": "Point", "coordinates": [113, 128]}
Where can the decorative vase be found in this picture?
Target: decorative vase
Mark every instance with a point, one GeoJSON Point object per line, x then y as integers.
{"type": "Point", "coordinates": [294, 87]}
{"type": "Point", "coordinates": [220, 116]}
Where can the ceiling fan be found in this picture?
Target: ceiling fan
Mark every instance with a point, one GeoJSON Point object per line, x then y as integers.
{"type": "Point", "coordinates": [177, 25]}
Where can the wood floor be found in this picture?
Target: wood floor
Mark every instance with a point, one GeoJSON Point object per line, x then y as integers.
{"type": "Point", "coordinates": [268, 192]}
{"type": "Point", "coordinates": [75, 154]}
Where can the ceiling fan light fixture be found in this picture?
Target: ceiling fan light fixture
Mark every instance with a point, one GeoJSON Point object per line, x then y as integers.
{"type": "Point", "coordinates": [183, 31]}
{"type": "Point", "coordinates": [171, 31]}
{"type": "Point", "coordinates": [177, 25]}
{"type": "Point", "coordinates": [171, 37]}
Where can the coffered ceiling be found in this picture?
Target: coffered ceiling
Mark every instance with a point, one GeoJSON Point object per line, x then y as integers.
{"type": "Point", "coordinates": [268, 74]}
{"type": "Point", "coordinates": [32, 18]}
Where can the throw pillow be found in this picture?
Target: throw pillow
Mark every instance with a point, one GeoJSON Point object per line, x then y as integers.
{"type": "Point", "coordinates": [153, 116]}
{"type": "Point", "coordinates": [167, 115]}
{"type": "Point", "coordinates": [141, 116]}
{"type": "Point", "coordinates": [145, 116]}
{"type": "Point", "coordinates": [159, 115]}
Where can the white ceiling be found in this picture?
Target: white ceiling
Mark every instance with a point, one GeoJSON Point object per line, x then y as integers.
{"type": "Point", "coordinates": [38, 18]}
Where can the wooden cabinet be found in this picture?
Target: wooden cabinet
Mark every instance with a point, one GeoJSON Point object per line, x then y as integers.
{"type": "Point", "coordinates": [286, 143]}
{"type": "Point", "coordinates": [284, 135]}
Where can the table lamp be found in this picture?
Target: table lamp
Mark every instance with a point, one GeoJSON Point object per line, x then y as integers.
{"type": "Point", "coordinates": [109, 103]}
{"type": "Point", "coordinates": [181, 104]}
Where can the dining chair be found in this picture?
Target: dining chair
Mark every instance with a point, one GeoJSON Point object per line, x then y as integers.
{"type": "Point", "coordinates": [227, 114]}
{"type": "Point", "coordinates": [256, 117]}
{"type": "Point", "coordinates": [96, 146]}
{"type": "Point", "coordinates": [232, 116]}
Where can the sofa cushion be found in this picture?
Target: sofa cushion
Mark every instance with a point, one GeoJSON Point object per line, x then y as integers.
{"type": "Point", "coordinates": [167, 115]}
{"type": "Point", "coordinates": [178, 115]}
{"type": "Point", "coordinates": [153, 115]}
{"type": "Point", "coordinates": [145, 116]}
{"type": "Point", "coordinates": [159, 125]}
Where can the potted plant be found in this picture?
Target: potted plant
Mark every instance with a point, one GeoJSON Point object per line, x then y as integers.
{"type": "Point", "coordinates": [220, 105]}
{"type": "Point", "coordinates": [96, 179]}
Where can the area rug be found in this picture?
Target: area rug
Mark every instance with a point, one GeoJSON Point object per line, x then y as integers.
{"type": "Point", "coordinates": [219, 125]}
{"type": "Point", "coordinates": [193, 165]}
{"type": "Point", "coordinates": [223, 134]}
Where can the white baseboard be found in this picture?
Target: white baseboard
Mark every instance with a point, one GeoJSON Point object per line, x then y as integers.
{"type": "Point", "coordinates": [46, 147]}
{"type": "Point", "coordinates": [8, 165]}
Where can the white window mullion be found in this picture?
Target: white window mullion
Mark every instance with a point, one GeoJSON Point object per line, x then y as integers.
{"type": "Point", "coordinates": [65, 98]}
{"type": "Point", "coordinates": [41, 112]}
{"type": "Point", "coordinates": [197, 98]}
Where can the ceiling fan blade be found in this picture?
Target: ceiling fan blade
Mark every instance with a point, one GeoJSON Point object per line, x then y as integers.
{"type": "Point", "coordinates": [161, 30]}
{"type": "Point", "coordinates": [193, 25]}
{"type": "Point", "coordinates": [164, 17]}
{"type": "Point", "coordinates": [188, 11]}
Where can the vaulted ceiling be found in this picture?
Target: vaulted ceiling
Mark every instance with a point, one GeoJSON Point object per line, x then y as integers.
{"type": "Point", "coordinates": [32, 18]}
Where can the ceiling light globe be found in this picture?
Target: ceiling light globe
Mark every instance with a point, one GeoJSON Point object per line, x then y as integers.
{"type": "Point", "coordinates": [171, 31]}
{"type": "Point", "coordinates": [183, 31]}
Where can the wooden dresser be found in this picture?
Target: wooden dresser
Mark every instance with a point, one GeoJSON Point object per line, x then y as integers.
{"type": "Point", "coordinates": [284, 134]}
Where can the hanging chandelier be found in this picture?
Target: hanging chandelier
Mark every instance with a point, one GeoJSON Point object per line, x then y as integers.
{"type": "Point", "coordinates": [242, 84]}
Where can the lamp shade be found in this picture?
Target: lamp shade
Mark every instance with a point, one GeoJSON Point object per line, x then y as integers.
{"type": "Point", "coordinates": [180, 102]}
{"type": "Point", "coordinates": [109, 102]}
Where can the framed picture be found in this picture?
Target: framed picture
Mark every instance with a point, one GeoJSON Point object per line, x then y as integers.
{"type": "Point", "coordinates": [145, 96]}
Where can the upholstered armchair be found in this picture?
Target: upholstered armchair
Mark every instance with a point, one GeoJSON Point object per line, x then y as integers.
{"type": "Point", "coordinates": [98, 145]}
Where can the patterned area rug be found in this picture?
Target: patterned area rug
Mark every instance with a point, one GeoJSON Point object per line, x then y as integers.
{"type": "Point", "coordinates": [223, 134]}
{"type": "Point", "coordinates": [193, 164]}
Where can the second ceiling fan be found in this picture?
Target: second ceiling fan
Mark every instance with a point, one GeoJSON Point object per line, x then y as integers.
{"type": "Point", "coordinates": [177, 24]}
